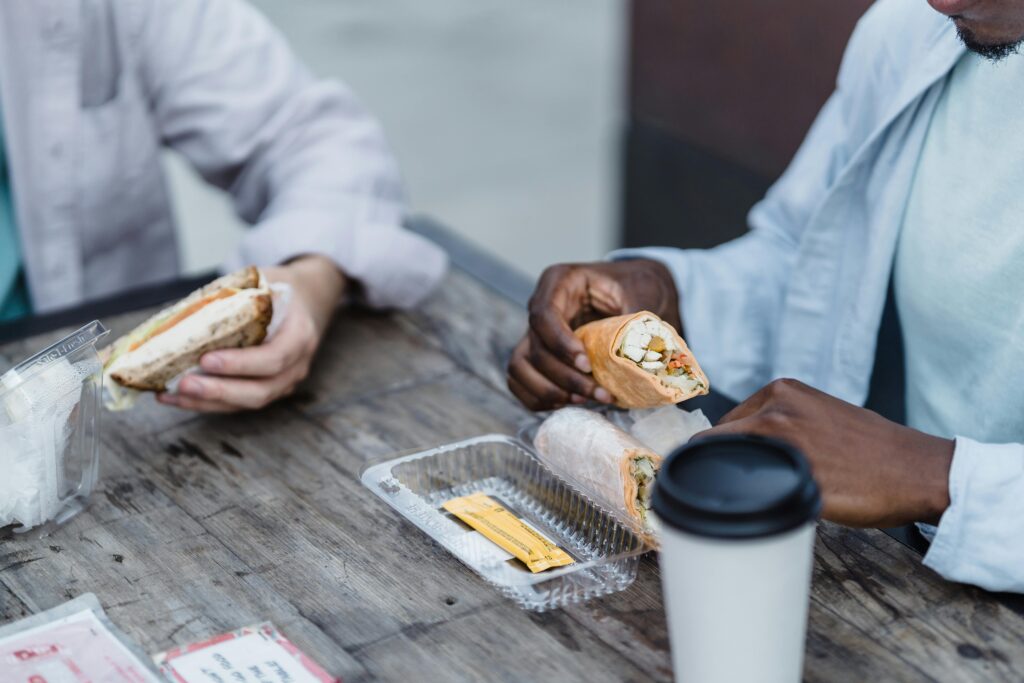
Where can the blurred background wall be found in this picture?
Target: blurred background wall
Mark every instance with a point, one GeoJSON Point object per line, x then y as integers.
{"type": "Point", "coordinates": [720, 97]}
{"type": "Point", "coordinates": [553, 131]}
{"type": "Point", "coordinates": [505, 116]}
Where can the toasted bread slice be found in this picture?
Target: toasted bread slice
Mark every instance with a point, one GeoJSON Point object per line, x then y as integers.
{"type": "Point", "coordinates": [246, 278]}
{"type": "Point", "coordinates": [238, 320]}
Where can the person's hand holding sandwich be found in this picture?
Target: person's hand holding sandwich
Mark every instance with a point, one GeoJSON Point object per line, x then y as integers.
{"type": "Point", "coordinates": [252, 377]}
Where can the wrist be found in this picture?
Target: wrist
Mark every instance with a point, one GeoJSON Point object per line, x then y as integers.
{"type": "Point", "coordinates": [926, 476]}
{"type": "Point", "coordinates": [317, 281]}
{"type": "Point", "coordinates": [310, 272]}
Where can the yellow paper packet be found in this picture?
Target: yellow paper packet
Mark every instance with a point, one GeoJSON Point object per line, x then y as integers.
{"type": "Point", "coordinates": [512, 534]}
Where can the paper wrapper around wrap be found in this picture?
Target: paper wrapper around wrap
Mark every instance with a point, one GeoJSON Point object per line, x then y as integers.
{"type": "Point", "coordinates": [595, 455]}
{"type": "Point", "coordinates": [632, 386]}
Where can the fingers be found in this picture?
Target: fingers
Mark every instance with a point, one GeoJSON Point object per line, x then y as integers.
{"type": "Point", "coordinates": [773, 397]}
{"type": "Point", "coordinates": [534, 402]}
{"type": "Point", "coordinates": [752, 406]}
{"type": "Point", "coordinates": [552, 367]}
{"type": "Point", "coordinates": [250, 378]}
{"type": "Point", "coordinates": [554, 333]}
{"type": "Point", "coordinates": [768, 422]}
{"type": "Point", "coordinates": [222, 394]}
{"type": "Point", "coordinates": [196, 404]}
{"type": "Point", "coordinates": [295, 341]}
{"type": "Point", "coordinates": [538, 389]}
{"type": "Point", "coordinates": [744, 410]}
{"type": "Point", "coordinates": [532, 388]}
{"type": "Point", "coordinates": [743, 426]}
{"type": "Point", "coordinates": [557, 299]}
{"type": "Point", "coordinates": [755, 424]}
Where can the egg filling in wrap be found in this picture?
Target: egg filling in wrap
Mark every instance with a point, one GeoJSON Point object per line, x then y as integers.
{"type": "Point", "coordinates": [642, 360]}
{"type": "Point", "coordinates": [603, 461]}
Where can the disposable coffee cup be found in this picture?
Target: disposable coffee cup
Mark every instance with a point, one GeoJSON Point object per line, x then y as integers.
{"type": "Point", "coordinates": [737, 516]}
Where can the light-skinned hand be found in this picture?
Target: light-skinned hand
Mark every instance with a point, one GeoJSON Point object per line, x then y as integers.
{"type": "Point", "coordinates": [251, 378]}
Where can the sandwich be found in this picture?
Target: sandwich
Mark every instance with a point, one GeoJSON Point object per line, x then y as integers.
{"type": "Point", "coordinates": [232, 311]}
{"type": "Point", "coordinates": [642, 360]}
{"type": "Point", "coordinates": [603, 461]}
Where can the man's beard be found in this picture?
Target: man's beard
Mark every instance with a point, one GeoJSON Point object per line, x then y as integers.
{"type": "Point", "coordinates": [990, 51]}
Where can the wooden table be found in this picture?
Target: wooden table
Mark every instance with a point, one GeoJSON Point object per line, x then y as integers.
{"type": "Point", "coordinates": [204, 524]}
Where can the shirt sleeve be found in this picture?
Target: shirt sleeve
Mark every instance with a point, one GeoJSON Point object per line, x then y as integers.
{"type": "Point", "coordinates": [732, 296]}
{"type": "Point", "coordinates": [736, 291]}
{"type": "Point", "coordinates": [978, 540]}
{"type": "Point", "coordinates": [304, 162]}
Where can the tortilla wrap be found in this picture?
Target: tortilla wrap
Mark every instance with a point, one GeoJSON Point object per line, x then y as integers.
{"type": "Point", "coordinates": [631, 385]}
{"type": "Point", "coordinates": [584, 448]}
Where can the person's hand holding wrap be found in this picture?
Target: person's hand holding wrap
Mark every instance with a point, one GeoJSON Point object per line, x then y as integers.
{"type": "Point", "coordinates": [549, 367]}
{"type": "Point", "coordinates": [251, 378]}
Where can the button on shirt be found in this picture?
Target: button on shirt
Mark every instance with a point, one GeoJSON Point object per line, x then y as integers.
{"type": "Point", "coordinates": [13, 294]}
{"type": "Point", "coordinates": [959, 268]}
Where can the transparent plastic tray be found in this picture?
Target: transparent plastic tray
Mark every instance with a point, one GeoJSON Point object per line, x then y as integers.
{"type": "Point", "coordinates": [606, 552]}
{"type": "Point", "coordinates": [49, 426]}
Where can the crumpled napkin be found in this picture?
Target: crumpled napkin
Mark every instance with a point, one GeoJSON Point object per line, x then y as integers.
{"type": "Point", "coordinates": [35, 425]}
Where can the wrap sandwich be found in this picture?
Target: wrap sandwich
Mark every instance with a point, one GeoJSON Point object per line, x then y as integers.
{"type": "Point", "coordinates": [232, 311]}
{"type": "Point", "coordinates": [606, 463]}
{"type": "Point", "coordinates": [642, 360]}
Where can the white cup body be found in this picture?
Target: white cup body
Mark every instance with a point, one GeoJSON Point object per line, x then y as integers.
{"type": "Point", "coordinates": [737, 608]}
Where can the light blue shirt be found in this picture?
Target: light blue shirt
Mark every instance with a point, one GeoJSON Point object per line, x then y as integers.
{"type": "Point", "coordinates": [13, 295]}
{"type": "Point", "coordinates": [802, 293]}
{"type": "Point", "coordinates": [960, 261]}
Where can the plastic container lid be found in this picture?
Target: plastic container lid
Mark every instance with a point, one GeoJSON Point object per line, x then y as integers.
{"type": "Point", "coordinates": [84, 338]}
{"type": "Point", "coordinates": [736, 486]}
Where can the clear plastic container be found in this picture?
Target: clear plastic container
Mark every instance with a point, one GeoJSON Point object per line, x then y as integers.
{"type": "Point", "coordinates": [606, 552]}
{"type": "Point", "coordinates": [49, 427]}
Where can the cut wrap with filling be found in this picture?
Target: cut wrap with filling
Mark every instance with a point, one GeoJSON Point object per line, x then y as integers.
{"type": "Point", "coordinates": [232, 311]}
{"type": "Point", "coordinates": [642, 360]}
{"type": "Point", "coordinates": [605, 462]}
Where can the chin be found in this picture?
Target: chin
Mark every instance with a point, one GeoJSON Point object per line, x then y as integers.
{"type": "Point", "coordinates": [986, 33]}
{"type": "Point", "coordinates": [994, 51]}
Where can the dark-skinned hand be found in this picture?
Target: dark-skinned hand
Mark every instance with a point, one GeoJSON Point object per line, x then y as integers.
{"type": "Point", "coordinates": [549, 368]}
{"type": "Point", "coordinates": [872, 472]}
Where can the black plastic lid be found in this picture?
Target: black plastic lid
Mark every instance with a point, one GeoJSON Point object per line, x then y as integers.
{"type": "Point", "coordinates": [736, 486]}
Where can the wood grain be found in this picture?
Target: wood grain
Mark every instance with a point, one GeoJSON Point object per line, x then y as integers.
{"type": "Point", "coordinates": [204, 524]}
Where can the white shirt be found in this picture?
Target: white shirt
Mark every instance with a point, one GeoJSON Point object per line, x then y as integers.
{"type": "Point", "coordinates": [959, 276]}
{"type": "Point", "coordinates": [93, 91]}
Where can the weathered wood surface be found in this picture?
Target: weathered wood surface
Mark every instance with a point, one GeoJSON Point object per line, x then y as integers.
{"type": "Point", "coordinates": [204, 524]}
